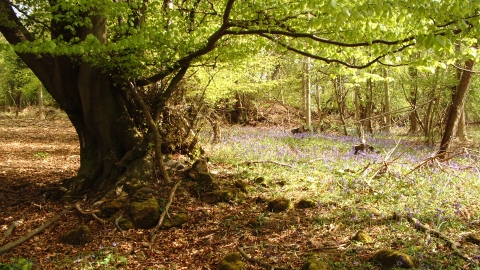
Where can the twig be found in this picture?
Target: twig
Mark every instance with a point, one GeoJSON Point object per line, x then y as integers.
{"type": "Point", "coordinates": [162, 217]}
{"type": "Point", "coordinates": [31, 234]}
{"type": "Point", "coordinates": [77, 206]}
{"type": "Point", "coordinates": [453, 245]}
{"type": "Point", "coordinates": [117, 225]}
{"type": "Point", "coordinates": [257, 261]}
{"type": "Point", "coordinates": [267, 161]}
{"type": "Point", "coordinates": [8, 190]}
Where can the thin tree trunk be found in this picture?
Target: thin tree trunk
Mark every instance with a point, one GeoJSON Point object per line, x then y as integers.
{"type": "Point", "coordinates": [306, 93]}
{"type": "Point", "coordinates": [340, 97]}
{"type": "Point", "coordinates": [388, 116]}
{"type": "Point", "coordinates": [456, 108]}
{"type": "Point", "coordinates": [40, 102]}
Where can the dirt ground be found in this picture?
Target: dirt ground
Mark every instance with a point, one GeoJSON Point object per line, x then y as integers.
{"type": "Point", "coordinates": [38, 154]}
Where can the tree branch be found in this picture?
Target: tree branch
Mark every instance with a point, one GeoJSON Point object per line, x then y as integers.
{"type": "Point", "coordinates": [31, 234]}
{"type": "Point", "coordinates": [186, 61]}
{"type": "Point", "coordinates": [329, 60]}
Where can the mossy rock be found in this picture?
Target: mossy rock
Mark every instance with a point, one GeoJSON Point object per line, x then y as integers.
{"type": "Point", "coordinates": [198, 168]}
{"type": "Point", "coordinates": [259, 180]}
{"type": "Point", "coordinates": [279, 205]}
{"type": "Point", "coordinates": [79, 236]}
{"type": "Point", "coordinates": [143, 194]}
{"type": "Point", "coordinates": [363, 237]}
{"type": "Point", "coordinates": [305, 203]}
{"type": "Point", "coordinates": [205, 183]}
{"type": "Point", "coordinates": [473, 238]}
{"type": "Point", "coordinates": [388, 258]}
{"type": "Point", "coordinates": [111, 207]}
{"type": "Point", "coordinates": [232, 261]}
{"type": "Point", "coordinates": [260, 199]}
{"type": "Point", "coordinates": [174, 221]}
{"type": "Point", "coordinates": [314, 264]}
{"type": "Point", "coordinates": [125, 224]}
{"type": "Point", "coordinates": [241, 185]}
{"type": "Point", "coordinates": [221, 195]}
{"type": "Point", "coordinates": [145, 214]}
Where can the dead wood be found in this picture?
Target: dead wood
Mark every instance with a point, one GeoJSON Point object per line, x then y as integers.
{"type": "Point", "coordinates": [77, 206]}
{"type": "Point", "coordinates": [117, 225]}
{"type": "Point", "coordinates": [31, 234]}
{"type": "Point", "coordinates": [8, 190]}
{"type": "Point", "coordinates": [153, 234]}
{"type": "Point", "coordinates": [267, 161]}
{"type": "Point", "coordinates": [10, 229]}
{"type": "Point", "coordinates": [257, 261]}
{"type": "Point", "coordinates": [453, 245]}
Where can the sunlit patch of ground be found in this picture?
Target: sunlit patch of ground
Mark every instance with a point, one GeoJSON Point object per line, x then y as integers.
{"type": "Point", "coordinates": [319, 167]}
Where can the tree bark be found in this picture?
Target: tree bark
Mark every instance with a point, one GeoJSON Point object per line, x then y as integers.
{"type": "Point", "coordinates": [388, 116]}
{"type": "Point", "coordinates": [456, 108]}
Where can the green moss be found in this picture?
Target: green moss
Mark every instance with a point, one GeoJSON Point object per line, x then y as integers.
{"type": "Point", "coordinates": [111, 207]}
{"type": "Point", "coordinates": [145, 213]}
{"type": "Point", "coordinates": [279, 205]}
{"type": "Point", "coordinates": [79, 236]}
{"type": "Point", "coordinates": [174, 221]}
{"type": "Point", "coordinates": [126, 224]}
{"type": "Point", "coordinates": [363, 237]}
{"type": "Point", "coordinates": [232, 261]}
{"type": "Point", "coordinates": [388, 258]}
{"type": "Point", "coordinates": [221, 195]}
{"type": "Point", "coordinates": [314, 264]}
{"type": "Point", "coordinates": [305, 203]}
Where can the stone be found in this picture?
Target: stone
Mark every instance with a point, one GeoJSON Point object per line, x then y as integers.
{"type": "Point", "coordinates": [362, 237]}
{"type": "Point", "coordinates": [232, 261]}
{"type": "Point", "coordinates": [388, 258]}
{"type": "Point", "coordinates": [304, 203]}
{"type": "Point", "coordinates": [174, 221]}
{"type": "Point", "coordinates": [145, 214]}
{"type": "Point", "coordinates": [220, 195]}
{"type": "Point", "coordinates": [199, 167]}
{"type": "Point", "coordinates": [125, 224]}
{"type": "Point", "coordinates": [80, 236]}
{"type": "Point", "coordinates": [314, 264]}
{"type": "Point", "coordinates": [241, 185]}
{"type": "Point", "coordinates": [111, 207]}
{"type": "Point", "coordinates": [279, 205]}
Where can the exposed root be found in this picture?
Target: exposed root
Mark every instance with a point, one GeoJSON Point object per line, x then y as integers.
{"type": "Point", "coordinates": [257, 261]}
{"type": "Point", "coordinates": [453, 245]}
{"type": "Point", "coordinates": [116, 223]}
{"type": "Point", "coordinates": [31, 234]}
{"type": "Point", "coordinates": [153, 234]}
{"type": "Point", "coordinates": [77, 206]}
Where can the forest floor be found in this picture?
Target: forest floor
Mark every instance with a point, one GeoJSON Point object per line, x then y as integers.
{"type": "Point", "coordinates": [352, 193]}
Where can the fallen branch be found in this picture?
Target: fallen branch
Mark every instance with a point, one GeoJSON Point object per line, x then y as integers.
{"type": "Point", "coordinates": [257, 261]}
{"type": "Point", "coordinates": [77, 206]}
{"type": "Point", "coordinates": [453, 245]}
{"type": "Point", "coordinates": [31, 234]}
{"type": "Point", "coordinates": [8, 190]}
{"type": "Point", "coordinates": [10, 229]}
{"type": "Point", "coordinates": [162, 217]}
{"type": "Point", "coordinates": [267, 161]}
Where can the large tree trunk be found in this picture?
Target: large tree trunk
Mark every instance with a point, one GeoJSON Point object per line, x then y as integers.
{"type": "Point", "coordinates": [456, 108]}
{"type": "Point", "coordinates": [109, 141]}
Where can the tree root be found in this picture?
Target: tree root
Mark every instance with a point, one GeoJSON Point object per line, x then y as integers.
{"type": "Point", "coordinates": [31, 234]}
{"type": "Point", "coordinates": [162, 217]}
{"type": "Point", "coordinates": [77, 206]}
{"type": "Point", "coordinates": [453, 245]}
{"type": "Point", "coordinates": [257, 261]}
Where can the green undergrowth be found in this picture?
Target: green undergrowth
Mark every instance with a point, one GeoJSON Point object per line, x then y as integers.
{"type": "Point", "coordinates": [362, 192]}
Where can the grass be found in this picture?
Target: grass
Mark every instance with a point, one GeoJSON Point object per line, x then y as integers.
{"type": "Point", "coordinates": [324, 168]}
